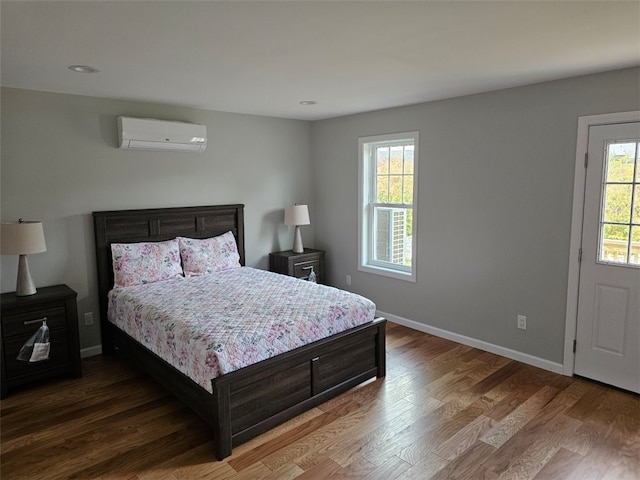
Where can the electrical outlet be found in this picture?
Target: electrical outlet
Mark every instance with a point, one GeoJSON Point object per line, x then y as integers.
{"type": "Point", "coordinates": [348, 280]}
{"type": "Point", "coordinates": [88, 319]}
{"type": "Point", "coordinates": [522, 322]}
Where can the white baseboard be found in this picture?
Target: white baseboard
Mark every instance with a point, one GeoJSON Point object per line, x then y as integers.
{"type": "Point", "coordinates": [91, 351]}
{"type": "Point", "coordinates": [473, 342]}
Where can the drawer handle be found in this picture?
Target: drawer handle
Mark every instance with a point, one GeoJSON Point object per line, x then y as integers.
{"type": "Point", "coordinates": [304, 263]}
{"type": "Point", "coordinates": [307, 268]}
{"type": "Point", "coordinates": [31, 322]}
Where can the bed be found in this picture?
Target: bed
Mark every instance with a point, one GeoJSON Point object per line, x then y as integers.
{"type": "Point", "coordinates": [246, 402]}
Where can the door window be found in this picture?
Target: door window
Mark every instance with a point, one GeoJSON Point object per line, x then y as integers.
{"type": "Point", "coordinates": [620, 212]}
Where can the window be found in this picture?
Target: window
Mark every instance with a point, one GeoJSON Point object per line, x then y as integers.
{"type": "Point", "coordinates": [620, 211]}
{"type": "Point", "coordinates": [388, 193]}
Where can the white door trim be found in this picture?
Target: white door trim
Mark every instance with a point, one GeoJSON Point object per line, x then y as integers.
{"type": "Point", "coordinates": [582, 144]}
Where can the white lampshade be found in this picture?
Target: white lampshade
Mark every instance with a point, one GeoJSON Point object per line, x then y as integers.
{"type": "Point", "coordinates": [296, 215]}
{"type": "Point", "coordinates": [21, 238]}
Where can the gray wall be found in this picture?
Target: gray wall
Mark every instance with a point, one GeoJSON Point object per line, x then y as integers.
{"type": "Point", "coordinates": [60, 163]}
{"type": "Point", "coordinates": [494, 210]}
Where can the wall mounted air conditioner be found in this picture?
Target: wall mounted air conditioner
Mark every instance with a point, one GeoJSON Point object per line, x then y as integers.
{"type": "Point", "coordinates": [150, 134]}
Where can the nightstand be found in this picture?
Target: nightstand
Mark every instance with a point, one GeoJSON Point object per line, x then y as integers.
{"type": "Point", "coordinates": [298, 264]}
{"type": "Point", "coordinates": [21, 317]}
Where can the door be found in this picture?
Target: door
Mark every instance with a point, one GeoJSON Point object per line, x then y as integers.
{"type": "Point", "coordinates": [608, 323]}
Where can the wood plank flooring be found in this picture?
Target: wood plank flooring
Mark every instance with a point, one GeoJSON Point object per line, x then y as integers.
{"type": "Point", "coordinates": [444, 411]}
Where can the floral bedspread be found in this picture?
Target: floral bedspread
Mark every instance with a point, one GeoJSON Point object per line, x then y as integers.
{"type": "Point", "coordinates": [214, 324]}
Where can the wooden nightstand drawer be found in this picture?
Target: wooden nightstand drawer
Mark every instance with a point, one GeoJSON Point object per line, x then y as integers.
{"type": "Point", "coordinates": [58, 354]}
{"type": "Point", "coordinates": [29, 322]}
{"type": "Point", "coordinates": [303, 269]}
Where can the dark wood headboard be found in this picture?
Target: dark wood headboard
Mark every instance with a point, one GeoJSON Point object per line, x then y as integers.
{"type": "Point", "coordinates": [156, 225]}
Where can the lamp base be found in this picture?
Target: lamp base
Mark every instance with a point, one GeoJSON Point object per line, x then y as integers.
{"type": "Point", "coordinates": [297, 241]}
{"type": "Point", "coordinates": [24, 284]}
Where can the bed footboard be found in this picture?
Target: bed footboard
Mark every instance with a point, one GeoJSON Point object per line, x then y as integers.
{"type": "Point", "coordinates": [250, 401]}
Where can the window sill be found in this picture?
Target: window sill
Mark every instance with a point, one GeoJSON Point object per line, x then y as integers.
{"type": "Point", "coordinates": [387, 272]}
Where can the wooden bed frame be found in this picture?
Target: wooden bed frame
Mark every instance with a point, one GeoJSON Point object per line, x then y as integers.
{"type": "Point", "coordinates": [254, 399]}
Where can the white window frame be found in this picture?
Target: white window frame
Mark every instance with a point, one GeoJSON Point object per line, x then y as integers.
{"type": "Point", "coordinates": [366, 189]}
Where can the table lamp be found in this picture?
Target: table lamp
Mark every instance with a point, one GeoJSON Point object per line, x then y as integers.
{"type": "Point", "coordinates": [297, 215]}
{"type": "Point", "coordinates": [21, 238]}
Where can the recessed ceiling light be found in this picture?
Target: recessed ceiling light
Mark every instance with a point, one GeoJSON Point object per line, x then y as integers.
{"type": "Point", "coordinates": [308, 102]}
{"type": "Point", "coordinates": [83, 69]}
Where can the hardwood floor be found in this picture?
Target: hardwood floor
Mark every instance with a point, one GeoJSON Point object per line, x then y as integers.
{"type": "Point", "coordinates": [444, 411]}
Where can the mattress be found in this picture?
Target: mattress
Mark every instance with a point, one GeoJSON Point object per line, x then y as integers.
{"type": "Point", "coordinates": [213, 324]}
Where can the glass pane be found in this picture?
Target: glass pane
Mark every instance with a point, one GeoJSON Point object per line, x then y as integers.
{"type": "Point", "coordinates": [617, 203]}
{"type": "Point", "coordinates": [395, 188]}
{"type": "Point", "coordinates": [636, 205]}
{"type": "Point", "coordinates": [638, 162]}
{"type": "Point", "coordinates": [392, 238]}
{"type": "Point", "coordinates": [635, 246]}
{"type": "Point", "coordinates": [408, 190]}
{"type": "Point", "coordinates": [382, 189]}
{"type": "Point", "coordinates": [409, 226]}
{"type": "Point", "coordinates": [615, 240]}
{"type": "Point", "coordinates": [397, 156]}
{"type": "Point", "coordinates": [382, 160]}
{"type": "Point", "coordinates": [382, 225]}
{"type": "Point", "coordinates": [408, 160]}
{"type": "Point", "coordinates": [620, 162]}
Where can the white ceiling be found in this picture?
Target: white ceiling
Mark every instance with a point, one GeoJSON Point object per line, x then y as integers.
{"type": "Point", "coordinates": [264, 57]}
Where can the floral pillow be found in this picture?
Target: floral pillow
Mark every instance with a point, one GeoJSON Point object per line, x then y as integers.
{"type": "Point", "coordinates": [208, 255]}
{"type": "Point", "coordinates": [146, 262]}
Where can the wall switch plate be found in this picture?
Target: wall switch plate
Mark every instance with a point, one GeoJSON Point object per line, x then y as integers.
{"type": "Point", "coordinates": [88, 319]}
{"type": "Point", "coordinates": [522, 322]}
{"type": "Point", "coordinates": [348, 280]}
